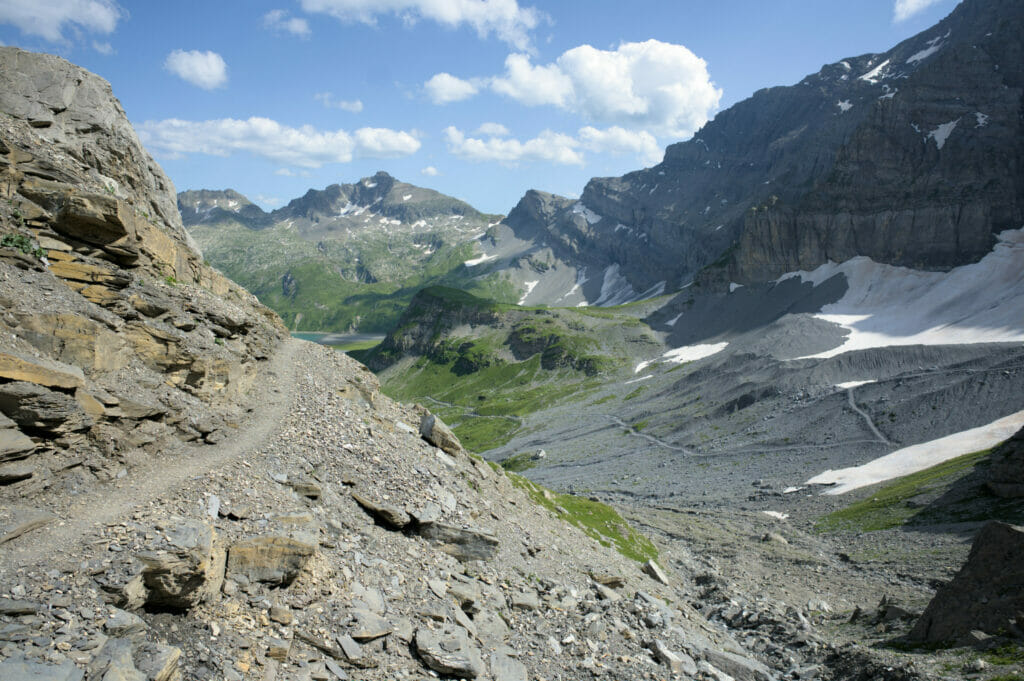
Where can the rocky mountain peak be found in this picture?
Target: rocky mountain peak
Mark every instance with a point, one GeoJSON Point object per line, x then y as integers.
{"type": "Point", "coordinates": [207, 205]}
{"type": "Point", "coordinates": [911, 157]}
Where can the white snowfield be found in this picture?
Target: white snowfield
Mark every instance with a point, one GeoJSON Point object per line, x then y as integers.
{"type": "Point", "coordinates": [918, 457]}
{"type": "Point", "coordinates": [888, 306]}
{"type": "Point", "coordinates": [687, 353]}
{"type": "Point", "coordinates": [530, 285]}
{"type": "Point", "coordinates": [479, 261]}
{"type": "Point", "coordinates": [855, 384]}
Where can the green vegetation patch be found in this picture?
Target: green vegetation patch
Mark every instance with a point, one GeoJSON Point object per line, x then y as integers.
{"type": "Point", "coordinates": [360, 282]}
{"type": "Point", "coordinates": [1005, 655]}
{"type": "Point", "coordinates": [517, 463]}
{"type": "Point", "coordinates": [599, 521]}
{"type": "Point", "coordinates": [952, 491]}
{"type": "Point", "coordinates": [484, 407]}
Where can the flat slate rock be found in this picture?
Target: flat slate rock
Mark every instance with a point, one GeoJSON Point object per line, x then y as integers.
{"type": "Point", "coordinates": [20, 669]}
{"type": "Point", "coordinates": [505, 668]}
{"type": "Point", "coordinates": [449, 652]}
{"type": "Point", "coordinates": [15, 522]}
{"type": "Point", "coordinates": [461, 543]}
{"type": "Point", "coordinates": [387, 514]}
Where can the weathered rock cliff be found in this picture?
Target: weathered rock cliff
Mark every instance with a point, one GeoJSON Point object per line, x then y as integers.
{"type": "Point", "coordinates": [117, 338]}
{"type": "Point", "coordinates": [911, 157]}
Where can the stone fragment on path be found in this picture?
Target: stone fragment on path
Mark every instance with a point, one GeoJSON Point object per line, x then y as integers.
{"type": "Point", "coordinates": [654, 571]}
{"type": "Point", "coordinates": [449, 652]}
{"type": "Point", "coordinates": [389, 515]}
{"type": "Point", "coordinates": [185, 569]}
{"type": "Point", "coordinates": [677, 662]}
{"type": "Point", "coordinates": [461, 543]}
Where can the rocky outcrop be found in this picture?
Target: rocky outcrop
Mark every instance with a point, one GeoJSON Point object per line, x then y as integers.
{"type": "Point", "coordinates": [986, 595]}
{"type": "Point", "coordinates": [116, 335]}
{"type": "Point", "coordinates": [432, 312]}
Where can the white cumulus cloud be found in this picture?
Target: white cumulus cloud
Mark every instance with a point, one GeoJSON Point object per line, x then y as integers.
{"type": "Point", "coordinates": [268, 201]}
{"type": "Point", "coordinates": [445, 88]}
{"type": "Point", "coordinates": [504, 18]}
{"type": "Point", "coordinates": [534, 85]}
{"type": "Point", "coordinates": [430, 171]}
{"type": "Point", "coordinates": [305, 147]}
{"type": "Point", "coordinates": [492, 129]}
{"type": "Point", "coordinates": [616, 140]}
{"type": "Point", "coordinates": [48, 18]}
{"type": "Point", "coordinates": [491, 142]}
{"type": "Point", "coordinates": [280, 20]}
{"type": "Point", "coordinates": [904, 9]}
{"type": "Point", "coordinates": [328, 100]}
{"type": "Point", "coordinates": [203, 69]}
{"type": "Point", "coordinates": [659, 87]}
{"type": "Point", "coordinates": [288, 172]}
{"type": "Point", "coordinates": [105, 49]}
{"type": "Point", "coordinates": [547, 146]}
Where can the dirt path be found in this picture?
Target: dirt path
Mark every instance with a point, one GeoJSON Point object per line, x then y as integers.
{"type": "Point", "coordinates": [650, 438]}
{"type": "Point", "coordinates": [871, 424]}
{"type": "Point", "coordinates": [109, 503]}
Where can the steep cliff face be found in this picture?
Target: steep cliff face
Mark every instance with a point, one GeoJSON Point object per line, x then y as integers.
{"type": "Point", "coordinates": [431, 315]}
{"type": "Point", "coordinates": [117, 338]}
{"type": "Point", "coordinates": [913, 157]}
{"type": "Point", "coordinates": [932, 172]}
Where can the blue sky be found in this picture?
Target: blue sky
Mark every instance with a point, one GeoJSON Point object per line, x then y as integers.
{"type": "Point", "coordinates": [480, 99]}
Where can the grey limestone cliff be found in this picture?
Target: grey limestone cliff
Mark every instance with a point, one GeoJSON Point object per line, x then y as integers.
{"type": "Point", "coordinates": [912, 157]}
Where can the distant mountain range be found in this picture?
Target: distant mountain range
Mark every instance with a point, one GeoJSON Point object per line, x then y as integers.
{"type": "Point", "coordinates": [912, 157]}
{"type": "Point", "coordinates": [348, 257]}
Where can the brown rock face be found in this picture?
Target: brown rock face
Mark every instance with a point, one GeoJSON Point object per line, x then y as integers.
{"type": "Point", "coordinates": [985, 595]}
{"type": "Point", "coordinates": [271, 558]}
{"type": "Point", "coordinates": [105, 304]}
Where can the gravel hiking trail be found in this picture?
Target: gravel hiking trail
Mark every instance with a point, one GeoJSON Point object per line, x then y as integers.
{"type": "Point", "coordinates": [108, 503]}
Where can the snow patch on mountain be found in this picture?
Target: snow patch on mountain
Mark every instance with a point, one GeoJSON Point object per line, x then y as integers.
{"type": "Point", "coordinates": [530, 285]}
{"type": "Point", "coordinates": [942, 133]}
{"type": "Point", "coordinates": [691, 353]}
{"type": "Point", "coordinates": [854, 384]}
{"type": "Point", "coordinates": [877, 74]}
{"type": "Point", "coordinates": [479, 261]}
{"type": "Point", "coordinates": [887, 306]}
{"type": "Point", "coordinates": [934, 45]}
{"type": "Point", "coordinates": [590, 216]}
{"type": "Point", "coordinates": [918, 457]}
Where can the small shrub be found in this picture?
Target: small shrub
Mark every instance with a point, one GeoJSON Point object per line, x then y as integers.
{"type": "Point", "coordinates": [21, 243]}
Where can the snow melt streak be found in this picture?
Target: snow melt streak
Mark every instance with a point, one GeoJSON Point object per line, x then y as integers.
{"type": "Point", "coordinates": [919, 457]}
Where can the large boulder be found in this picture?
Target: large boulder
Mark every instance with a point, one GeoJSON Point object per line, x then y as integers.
{"type": "Point", "coordinates": [985, 595]}
{"type": "Point", "coordinates": [434, 431]}
{"type": "Point", "coordinates": [13, 443]}
{"type": "Point", "coordinates": [462, 543]}
{"type": "Point", "coordinates": [272, 558]}
{"type": "Point", "coordinates": [45, 372]}
{"type": "Point", "coordinates": [184, 568]}
{"type": "Point", "coordinates": [449, 652]}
